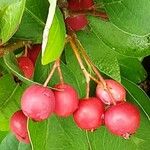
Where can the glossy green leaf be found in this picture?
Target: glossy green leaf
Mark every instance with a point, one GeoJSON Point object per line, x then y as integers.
{"type": "Point", "coordinates": [11, 143]}
{"type": "Point", "coordinates": [118, 40]}
{"type": "Point", "coordinates": [54, 44]}
{"type": "Point", "coordinates": [10, 17]}
{"type": "Point", "coordinates": [10, 95]}
{"type": "Point", "coordinates": [101, 54]}
{"type": "Point", "coordinates": [132, 69]}
{"type": "Point", "coordinates": [130, 16]}
{"type": "Point", "coordinates": [33, 21]}
{"type": "Point", "coordinates": [138, 96]}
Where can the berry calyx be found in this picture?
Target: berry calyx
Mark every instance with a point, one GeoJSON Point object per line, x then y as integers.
{"type": "Point", "coordinates": [122, 119]}
{"type": "Point", "coordinates": [89, 114]}
{"type": "Point", "coordinates": [116, 89]}
{"type": "Point", "coordinates": [66, 100]}
{"type": "Point", "coordinates": [26, 66]}
{"type": "Point", "coordinates": [33, 52]}
{"type": "Point", "coordinates": [76, 23]}
{"type": "Point", "coordinates": [18, 125]}
{"type": "Point", "coordinates": [38, 102]}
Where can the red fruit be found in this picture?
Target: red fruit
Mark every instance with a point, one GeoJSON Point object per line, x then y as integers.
{"type": "Point", "coordinates": [18, 125]}
{"type": "Point", "coordinates": [66, 100]}
{"type": "Point", "coordinates": [122, 119]}
{"type": "Point", "coordinates": [117, 90]}
{"type": "Point", "coordinates": [26, 66]}
{"type": "Point", "coordinates": [87, 4]}
{"type": "Point", "coordinates": [77, 5]}
{"type": "Point", "coordinates": [74, 5]}
{"type": "Point", "coordinates": [89, 114]}
{"type": "Point", "coordinates": [34, 52]}
{"type": "Point", "coordinates": [76, 23]}
{"type": "Point", "coordinates": [38, 102]}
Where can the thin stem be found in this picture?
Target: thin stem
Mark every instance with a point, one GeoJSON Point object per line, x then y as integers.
{"type": "Point", "coordinates": [75, 49]}
{"type": "Point", "coordinates": [86, 57]}
{"type": "Point", "coordinates": [59, 71]}
{"type": "Point", "coordinates": [12, 46]}
{"type": "Point", "coordinates": [50, 74]}
{"type": "Point", "coordinates": [29, 133]}
{"type": "Point", "coordinates": [88, 140]}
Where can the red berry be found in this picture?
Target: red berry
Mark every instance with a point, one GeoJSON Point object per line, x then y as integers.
{"type": "Point", "coordinates": [34, 52]}
{"type": "Point", "coordinates": [18, 125]}
{"type": "Point", "coordinates": [66, 100]}
{"type": "Point", "coordinates": [76, 23]}
{"type": "Point", "coordinates": [38, 102]}
{"type": "Point", "coordinates": [26, 66]}
{"type": "Point", "coordinates": [77, 5]}
{"type": "Point", "coordinates": [89, 114]}
{"type": "Point", "coordinates": [74, 5]}
{"type": "Point", "coordinates": [87, 4]}
{"type": "Point", "coordinates": [117, 90]}
{"type": "Point", "coordinates": [122, 119]}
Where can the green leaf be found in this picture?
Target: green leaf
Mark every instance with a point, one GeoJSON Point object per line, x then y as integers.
{"type": "Point", "coordinates": [10, 17]}
{"type": "Point", "coordinates": [11, 143]}
{"type": "Point", "coordinates": [118, 40]}
{"type": "Point", "coordinates": [2, 135]}
{"type": "Point", "coordinates": [138, 96]}
{"type": "Point", "coordinates": [4, 123]}
{"type": "Point", "coordinates": [101, 54]}
{"type": "Point", "coordinates": [10, 95]}
{"type": "Point", "coordinates": [55, 40]}
{"type": "Point", "coordinates": [130, 16]}
{"type": "Point", "coordinates": [132, 69]}
{"type": "Point", "coordinates": [33, 21]}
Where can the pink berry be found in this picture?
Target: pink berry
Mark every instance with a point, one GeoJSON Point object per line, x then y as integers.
{"type": "Point", "coordinates": [116, 89]}
{"type": "Point", "coordinates": [122, 119]}
{"type": "Point", "coordinates": [38, 102]}
{"type": "Point", "coordinates": [26, 66]}
{"type": "Point", "coordinates": [66, 100]}
{"type": "Point", "coordinates": [34, 52]}
{"type": "Point", "coordinates": [18, 125]}
{"type": "Point", "coordinates": [76, 23]}
{"type": "Point", "coordinates": [89, 114]}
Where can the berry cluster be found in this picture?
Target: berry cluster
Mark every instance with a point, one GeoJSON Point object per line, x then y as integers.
{"type": "Point", "coordinates": [39, 102]}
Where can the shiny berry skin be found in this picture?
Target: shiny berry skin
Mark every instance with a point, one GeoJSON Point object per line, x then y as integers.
{"type": "Point", "coordinates": [122, 119]}
{"type": "Point", "coordinates": [76, 5]}
{"type": "Point", "coordinates": [26, 66]}
{"type": "Point", "coordinates": [117, 90]}
{"type": "Point", "coordinates": [66, 100]}
{"type": "Point", "coordinates": [38, 102]}
{"type": "Point", "coordinates": [18, 125]}
{"type": "Point", "coordinates": [89, 114]}
{"type": "Point", "coordinates": [76, 23]}
{"type": "Point", "coordinates": [34, 52]}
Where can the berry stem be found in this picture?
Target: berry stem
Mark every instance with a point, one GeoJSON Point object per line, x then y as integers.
{"type": "Point", "coordinates": [28, 119]}
{"type": "Point", "coordinates": [4, 49]}
{"type": "Point", "coordinates": [59, 71]}
{"type": "Point", "coordinates": [86, 74]}
{"type": "Point", "coordinates": [90, 63]}
{"type": "Point", "coordinates": [91, 12]}
{"type": "Point", "coordinates": [50, 74]}
{"type": "Point", "coordinates": [88, 140]}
